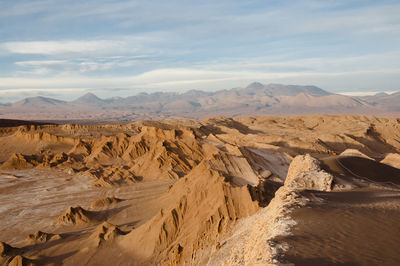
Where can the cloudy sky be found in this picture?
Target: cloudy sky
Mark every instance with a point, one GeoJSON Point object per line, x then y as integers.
{"type": "Point", "coordinates": [64, 48]}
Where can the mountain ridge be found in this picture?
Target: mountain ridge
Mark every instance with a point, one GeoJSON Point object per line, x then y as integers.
{"type": "Point", "coordinates": [254, 99]}
{"type": "Point", "coordinates": [38, 100]}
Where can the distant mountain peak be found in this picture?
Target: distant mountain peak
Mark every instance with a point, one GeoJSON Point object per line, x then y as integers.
{"type": "Point", "coordinates": [89, 98]}
{"type": "Point", "coordinates": [255, 85]}
{"type": "Point", "coordinates": [89, 95]}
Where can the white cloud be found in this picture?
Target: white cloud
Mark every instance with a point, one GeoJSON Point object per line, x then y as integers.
{"type": "Point", "coordinates": [63, 47]}
{"type": "Point", "coordinates": [81, 65]}
{"type": "Point", "coordinates": [63, 67]}
{"type": "Point", "coordinates": [183, 79]}
{"type": "Point", "coordinates": [128, 46]}
{"type": "Point", "coordinates": [40, 63]}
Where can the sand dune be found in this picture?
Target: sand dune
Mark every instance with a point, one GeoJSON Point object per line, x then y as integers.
{"type": "Point", "coordinates": [183, 192]}
{"type": "Point", "coordinates": [349, 228]}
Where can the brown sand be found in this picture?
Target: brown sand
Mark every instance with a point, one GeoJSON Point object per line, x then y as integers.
{"type": "Point", "coordinates": [349, 228]}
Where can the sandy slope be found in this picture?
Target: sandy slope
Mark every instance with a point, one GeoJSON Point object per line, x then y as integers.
{"type": "Point", "coordinates": [357, 226]}
{"type": "Point", "coordinates": [188, 192]}
{"type": "Point", "coordinates": [348, 228]}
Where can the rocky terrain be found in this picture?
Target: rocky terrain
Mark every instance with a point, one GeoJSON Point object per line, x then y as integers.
{"type": "Point", "coordinates": [255, 99]}
{"type": "Point", "coordinates": [223, 191]}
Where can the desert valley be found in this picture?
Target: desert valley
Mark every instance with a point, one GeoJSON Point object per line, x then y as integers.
{"type": "Point", "coordinates": [257, 190]}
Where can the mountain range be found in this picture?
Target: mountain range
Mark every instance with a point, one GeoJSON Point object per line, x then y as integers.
{"type": "Point", "coordinates": [255, 99]}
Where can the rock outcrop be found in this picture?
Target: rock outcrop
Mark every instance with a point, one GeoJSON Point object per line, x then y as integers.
{"type": "Point", "coordinates": [7, 250]}
{"type": "Point", "coordinates": [104, 233]}
{"type": "Point", "coordinates": [42, 237]}
{"type": "Point", "coordinates": [16, 161]}
{"type": "Point", "coordinates": [20, 261]}
{"type": "Point", "coordinates": [76, 215]}
{"type": "Point", "coordinates": [305, 173]}
{"type": "Point", "coordinates": [12, 256]}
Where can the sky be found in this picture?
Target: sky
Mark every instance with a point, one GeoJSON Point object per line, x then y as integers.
{"type": "Point", "coordinates": [63, 49]}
